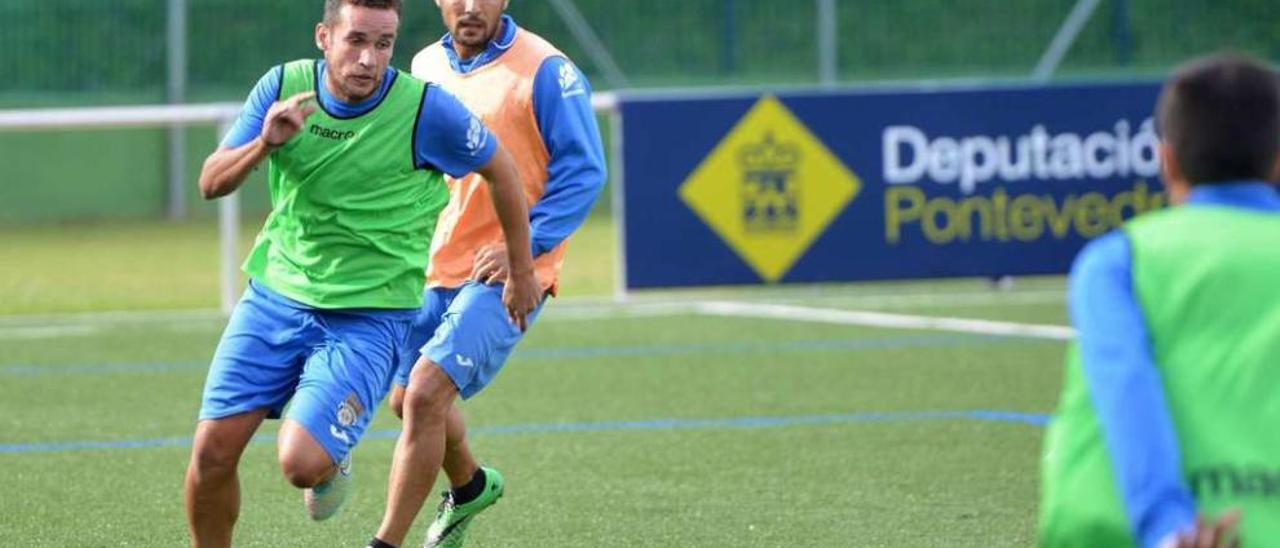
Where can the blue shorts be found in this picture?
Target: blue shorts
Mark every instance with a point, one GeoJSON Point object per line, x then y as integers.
{"type": "Point", "coordinates": [465, 331]}
{"type": "Point", "coordinates": [336, 365]}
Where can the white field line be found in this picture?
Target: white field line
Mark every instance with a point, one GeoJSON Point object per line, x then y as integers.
{"type": "Point", "coordinates": [110, 318]}
{"type": "Point", "coordinates": [976, 300]}
{"type": "Point", "coordinates": [51, 326]}
{"type": "Point", "coordinates": [882, 319]}
{"type": "Point", "coordinates": [580, 312]}
{"type": "Point", "coordinates": [35, 333]}
{"type": "Point", "coordinates": [588, 309]}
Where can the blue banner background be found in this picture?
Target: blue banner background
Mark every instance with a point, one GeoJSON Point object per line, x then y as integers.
{"type": "Point", "coordinates": [667, 138]}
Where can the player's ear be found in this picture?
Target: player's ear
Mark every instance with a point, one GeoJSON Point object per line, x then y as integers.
{"type": "Point", "coordinates": [322, 36]}
{"type": "Point", "coordinates": [1275, 169]}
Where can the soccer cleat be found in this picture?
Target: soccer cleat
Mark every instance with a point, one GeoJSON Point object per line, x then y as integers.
{"type": "Point", "coordinates": [324, 500]}
{"type": "Point", "coordinates": [450, 527]}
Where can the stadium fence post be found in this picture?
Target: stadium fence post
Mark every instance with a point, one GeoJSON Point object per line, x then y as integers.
{"type": "Point", "coordinates": [1122, 36]}
{"type": "Point", "coordinates": [828, 43]}
{"type": "Point", "coordinates": [729, 36]}
{"type": "Point", "coordinates": [176, 90]}
{"type": "Point", "coordinates": [618, 204]}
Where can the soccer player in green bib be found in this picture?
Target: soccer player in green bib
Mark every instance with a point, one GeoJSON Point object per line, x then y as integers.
{"type": "Point", "coordinates": [1170, 405]}
{"type": "Point", "coordinates": [356, 154]}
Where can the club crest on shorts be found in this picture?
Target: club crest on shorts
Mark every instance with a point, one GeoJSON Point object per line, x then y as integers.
{"type": "Point", "coordinates": [349, 410]}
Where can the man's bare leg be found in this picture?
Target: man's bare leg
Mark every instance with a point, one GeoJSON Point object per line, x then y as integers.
{"type": "Point", "coordinates": [420, 452]}
{"type": "Point", "coordinates": [459, 464]}
{"type": "Point", "coordinates": [212, 489]}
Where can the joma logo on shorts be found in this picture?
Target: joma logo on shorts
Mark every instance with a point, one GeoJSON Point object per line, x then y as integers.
{"type": "Point", "coordinates": [332, 133]}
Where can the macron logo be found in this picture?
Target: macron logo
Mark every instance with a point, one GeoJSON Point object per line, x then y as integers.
{"type": "Point", "coordinates": [333, 134]}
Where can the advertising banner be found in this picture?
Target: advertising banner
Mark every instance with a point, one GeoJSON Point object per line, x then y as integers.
{"type": "Point", "coordinates": [875, 185]}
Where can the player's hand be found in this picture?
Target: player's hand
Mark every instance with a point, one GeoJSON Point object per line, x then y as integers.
{"type": "Point", "coordinates": [521, 296]}
{"type": "Point", "coordinates": [491, 265]}
{"type": "Point", "coordinates": [286, 118]}
{"type": "Point", "coordinates": [1221, 533]}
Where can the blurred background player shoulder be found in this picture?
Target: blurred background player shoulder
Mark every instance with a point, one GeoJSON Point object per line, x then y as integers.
{"type": "Point", "coordinates": [1171, 379]}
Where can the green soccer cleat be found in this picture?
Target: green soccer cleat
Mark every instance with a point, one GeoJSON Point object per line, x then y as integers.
{"type": "Point", "coordinates": [450, 527]}
{"type": "Point", "coordinates": [324, 500]}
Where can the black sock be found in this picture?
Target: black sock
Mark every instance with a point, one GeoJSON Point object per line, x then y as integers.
{"type": "Point", "coordinates": [473, 489]}
{"type": "Point", "coordinates": [378, 543]}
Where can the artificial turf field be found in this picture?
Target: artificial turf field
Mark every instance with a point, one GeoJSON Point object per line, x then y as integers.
{"type": "Point", "coordinates": [665, 421]}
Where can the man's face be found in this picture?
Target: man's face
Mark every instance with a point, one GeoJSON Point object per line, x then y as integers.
{"type": "Point", "coordinates": [473, 23]}
{"type": "Point", "coordinates": [357, 47]}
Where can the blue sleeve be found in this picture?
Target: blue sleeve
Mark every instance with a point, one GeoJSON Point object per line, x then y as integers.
{"type": "Point", "coordinates": [448, 137]}
{"type": "Point", "coordinates": [576, 173]}
{"type": "Point", "coordinates": [249, 125]}
{"type": "Point", "coordinates": [1127, 392]}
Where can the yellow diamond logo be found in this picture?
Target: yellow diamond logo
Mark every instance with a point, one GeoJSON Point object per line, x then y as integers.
{"type": "Point", "coordinates": [770, 188]}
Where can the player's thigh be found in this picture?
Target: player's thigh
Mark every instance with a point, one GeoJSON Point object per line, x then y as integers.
{"type": "Point", "coordinates": [435, 301]}
{"type": "Point", "coordinates": [259, 358]}
{"type": "Point", "coordinates": [475, 338]}
{"type": "Point", "coordinates": [346, 378]}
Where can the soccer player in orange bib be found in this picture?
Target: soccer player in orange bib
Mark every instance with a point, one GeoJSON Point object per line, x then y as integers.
{"type": "Point", "coordinates": [539, 105]}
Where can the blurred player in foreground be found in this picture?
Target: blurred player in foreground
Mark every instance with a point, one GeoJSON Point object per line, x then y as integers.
{"type": "Point", "coordinates": [539, 104]}
{"type": "Point", "coordinates": [1170, 406]}
{"type": "Point", "coordinates": [356, 152]}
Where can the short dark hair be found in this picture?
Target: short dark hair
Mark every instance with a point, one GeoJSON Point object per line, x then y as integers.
{"type": "Point", "coordinates": [1220, 114]}
{"type": "Point", "coordinates": [331, 7]}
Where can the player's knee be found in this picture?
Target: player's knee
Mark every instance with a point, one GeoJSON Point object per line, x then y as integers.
{"type": "Point", "coordinates": [397, 401]}
{"type": "Point", "coordinates": [211, 460]}
{"type": "Point", "coordinates": [215, 454]}
{"type": "Point", "coordinates": [304, 462]}
{"type": "Point", "coordinates": [304, 470]}
{"type": "Point", "coordinates": [425, 404]}
{"type": "Point", "coordinates": [429, 394]}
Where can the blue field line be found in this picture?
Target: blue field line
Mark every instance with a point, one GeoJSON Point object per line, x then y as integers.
{"type": "Point", "coordinates": [1031, 419]}
{"type": "Point", "coordinates": [588, 352]}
